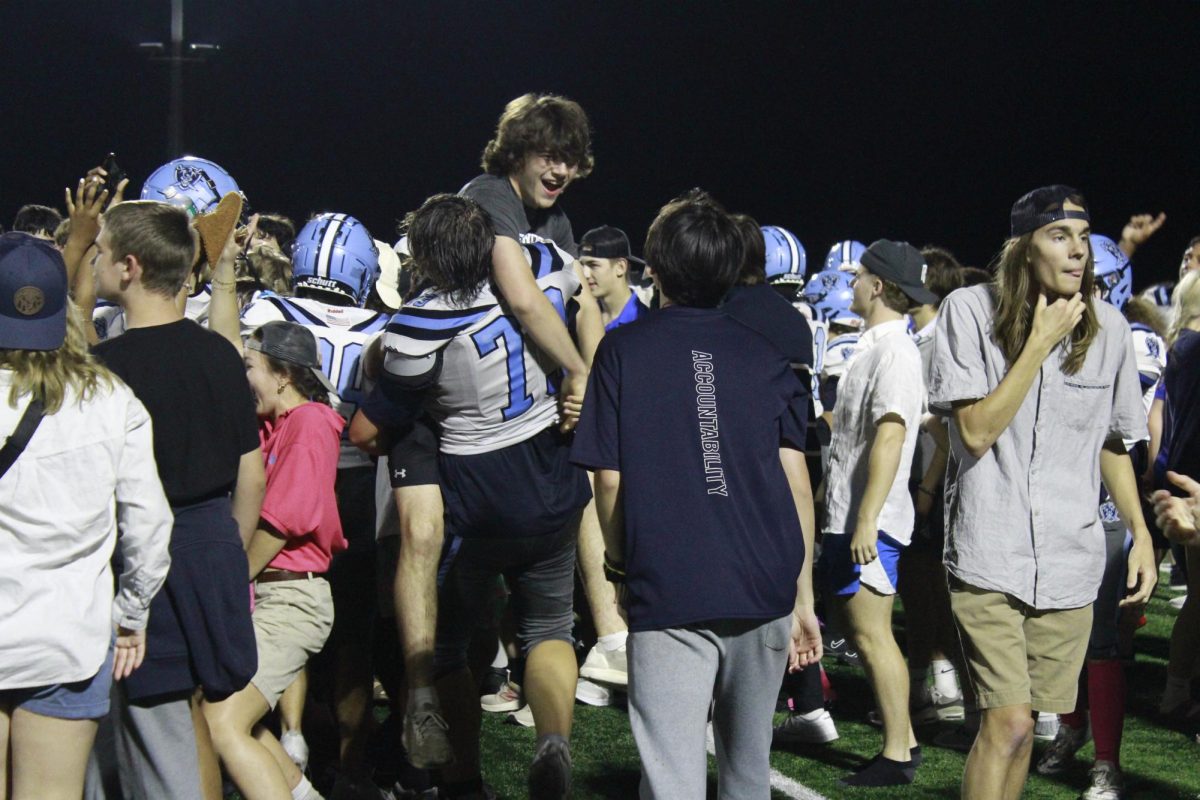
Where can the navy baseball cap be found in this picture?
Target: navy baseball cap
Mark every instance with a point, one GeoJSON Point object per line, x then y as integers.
{"type": "Point", "coordinates": [291, 342]}
{"type": "Point", "coordinates": [607, 242]}
{"type": "Point", "coordinates": [1045, 205]}
{"type": "Point", "coordinates": [901, 264]}
{"type": "Point", "coordinates": [33, 294]}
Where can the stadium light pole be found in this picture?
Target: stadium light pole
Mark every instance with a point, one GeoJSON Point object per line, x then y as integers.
{"type": "Point", "coordinates": [174, 55]}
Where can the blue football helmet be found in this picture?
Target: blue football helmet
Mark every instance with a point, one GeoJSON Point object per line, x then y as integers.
{"type": "Point", "coordinates": [786, 260]}
{"type": "Point", "coordinates": [196, 184]}
{"type": "Point", "coordinates": [829, 294]}
{"type": "Point", "coordinates": [845, 255]}
{"type": "Point", "coordinates": [335, 253]}
{"type": "Point", "coordinates": [1114, 273]}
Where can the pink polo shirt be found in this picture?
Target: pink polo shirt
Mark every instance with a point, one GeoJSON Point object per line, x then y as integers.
{"type": "Point", "coordinates": [300, 449]}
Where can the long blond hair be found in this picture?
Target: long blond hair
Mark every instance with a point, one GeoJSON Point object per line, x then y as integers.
{"type": "Point", "coordinates": [1016, 297]}
{"type": "Point", "coordinates": [1185, 305]}
{"type": "Point", "coordinates": [48, 374]}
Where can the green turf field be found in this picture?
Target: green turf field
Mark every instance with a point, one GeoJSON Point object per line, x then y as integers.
{"type": "Point", "coordinates": [1159, 763]}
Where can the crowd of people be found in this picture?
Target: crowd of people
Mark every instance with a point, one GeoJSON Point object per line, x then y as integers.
{"type": "Point", "coordinates": [260, 477]}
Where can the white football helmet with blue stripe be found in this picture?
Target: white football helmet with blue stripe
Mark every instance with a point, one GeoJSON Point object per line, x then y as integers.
{"type": "Point", "coordinates": [786, 259]}
{"type": "Point", "coordinates": [335, 253]}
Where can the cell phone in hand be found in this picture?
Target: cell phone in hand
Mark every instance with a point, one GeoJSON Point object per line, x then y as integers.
{"type": "Point", "coordinates": [114, 174]}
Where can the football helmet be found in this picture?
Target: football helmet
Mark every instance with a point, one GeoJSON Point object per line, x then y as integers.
{"type": "Point", "coordinates": [845, 255]}
{"type": "Point", "coordinates": [829, 294]}
{"type": "Point", "coordinates": [1114, 273]}
{"type": "Point", "coordinates": [335, 253]}
{"type": "Point", "coordinates": [786, 260]}
{"type": "Point", "coordinates": [196, 184]}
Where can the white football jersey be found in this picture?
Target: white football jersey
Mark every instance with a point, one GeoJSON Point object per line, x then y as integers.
{"type": "Point", "coordinates": [1151, 353]}
{"type": "Point", "coordinates": [495, 387]}
{"type": "Point", "coordinates": [109, 318]}
{"type": "Point", "coordinates": [838, 354]}
{"type": "Point", "coordinates": [342, 332]}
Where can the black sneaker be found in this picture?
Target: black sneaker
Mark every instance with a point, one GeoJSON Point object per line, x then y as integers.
{"type": "Point", "coordinates": [550, 772]}
{"type": "Point", "coordinates": [839, 647]}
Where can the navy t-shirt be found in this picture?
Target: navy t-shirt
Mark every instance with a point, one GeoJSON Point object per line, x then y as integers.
{"type": "Point", "coordinates": [762, 309]}
{"type": "Point", "coordinates": [692, 407]}
{"type": "Point", "coordinates": [1182, 381]}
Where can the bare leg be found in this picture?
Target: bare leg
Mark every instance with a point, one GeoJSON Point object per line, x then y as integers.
{"type": "Point", "coordinates": [999, 761]}
{"type": "Point", "coordinates": [607, 615]}
{"type": "Point", "coordinates": [206, 754]}
{"type": "Point", "coordinates": [869, 617]}
{"type": "Point", "coordinates": [291, 703]}
{"type": "Point", "coordinates": [550, 676]}
{"type": "Point", "coordinates": [421, 535]}
{"type": "Point", "coordinates": [251, 765]}
{"type": "Point", "coordinates": [49, 756]}
{"type": "Point", "coordinates": [291, 773]}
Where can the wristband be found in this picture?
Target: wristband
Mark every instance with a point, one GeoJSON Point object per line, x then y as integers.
{"type": "Point", "coordinates": [614, 571]}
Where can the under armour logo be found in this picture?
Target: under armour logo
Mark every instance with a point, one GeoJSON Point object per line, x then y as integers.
{"type": "Point", "coordinates": [399, 473]}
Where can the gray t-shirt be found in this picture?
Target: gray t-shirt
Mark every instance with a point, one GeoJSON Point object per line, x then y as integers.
{"type": "Point", "coordinates": [1022, 519]}
{"type": "Point", "coordinates": [512, 218]}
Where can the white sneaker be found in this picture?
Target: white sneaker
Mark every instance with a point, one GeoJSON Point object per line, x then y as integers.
{"type": "Point", "coordinates": [524, 717]}
{"type": "Point", "coordinates": [811, 728]}
{"type": "Point", "coordinates": [606, 666]}
{"type": "Point", "coordinates": [1105, 782]}
{"type": "Point", "coordinates": [1061, 752]}
{"type": "Point", "coordinates": [1046, 727]}
{"type": "Point", "coordinates": [296, 748]}
{"type": "Point", "coordinates": [940, 708]}
{"type": "Point", "coordinates": [1177, 602]}
{"type": "Point", "coordinates": [509, 698]}
{"type": "Point", "coordinates": [593, 694]}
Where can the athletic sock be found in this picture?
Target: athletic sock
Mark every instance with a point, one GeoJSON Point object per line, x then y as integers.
{"type": "Point", "coordinates": [302, 789]}
{"type": "Point", "coordinates": [882, 772]}
{"type": "Point", "coordinates": [612, 641]}
{"type": "Point", "coordinates": [422, 696]}
{"type": "Point", "coordinates": [945, 678]}
{"type": "Point", "coordinates": [1106, 688]}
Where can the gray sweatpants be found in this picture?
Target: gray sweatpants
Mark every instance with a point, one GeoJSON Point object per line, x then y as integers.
{"type": "Point", "coordinates": [144, 753]}
{"type": "Point", "coordinates": [674, 675]}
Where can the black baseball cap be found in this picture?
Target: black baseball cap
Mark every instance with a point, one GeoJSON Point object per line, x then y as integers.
{"type": "Point", "coordinates": [901, 264]}
{"type": "Point", "coordinates": [291, 342]}
{"type": "Point", "coordinates": [607, 242]}
{"type": "Point", "coordinates": [33, 293]}
{"type": "Point", "coordinates": [1045, 205]}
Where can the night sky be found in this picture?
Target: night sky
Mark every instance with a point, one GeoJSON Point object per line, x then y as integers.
{"type": "Point", "coordinates": [917, 121]}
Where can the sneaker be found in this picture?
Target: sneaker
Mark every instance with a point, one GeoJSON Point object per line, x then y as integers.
{"type": "Point", "coordinates": [1104, 782]}
{"type": "Point", "coordinates": [523, 717]}
{"type": "Point", "coordinates": [940, 708]}
{"type": "Point", "coordinates": [1061, 752]}
{"type": "Point", "coordinates": [426, 738]}
{"type": "Point", "coordinates": [606, 666]}
{"type": "Point", "coordinates": [550, 772]}
{"type": "Point", "coordinates": [593, 694]}
{"type": "Point", "coordinates": [1177, 602]}
{"type": "Point", "coordinates": [507, 699]}
{"type": "Point", "coordinates": [839, 648]}
{"type": "Point", "coordinates": [813, 728]}
{"type": "Point", "coordinates": [297, 749]}
{"type": "Point", "coordinates": [1046, 727]}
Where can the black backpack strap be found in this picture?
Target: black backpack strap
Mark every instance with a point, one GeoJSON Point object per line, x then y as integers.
{"type": "Point", "coordinates": [16, 443]}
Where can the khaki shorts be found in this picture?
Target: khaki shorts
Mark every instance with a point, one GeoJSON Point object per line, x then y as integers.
{"type": "Point", "coordinates": [292, 620]}
{"type": "Point", "coordinates": [1019, 655]}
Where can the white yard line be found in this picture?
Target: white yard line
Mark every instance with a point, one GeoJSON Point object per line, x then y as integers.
{"type": "Point", "coordinates": [779, 782]}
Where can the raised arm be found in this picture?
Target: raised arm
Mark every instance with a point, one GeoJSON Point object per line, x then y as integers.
{"type": "Point", "coordinates": [980, 422]}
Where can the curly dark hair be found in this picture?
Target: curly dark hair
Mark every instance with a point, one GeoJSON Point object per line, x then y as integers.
{"type": "Point", "coordinates": [540, 123]}
{"type": "Point", "coordinates": [450, 238]}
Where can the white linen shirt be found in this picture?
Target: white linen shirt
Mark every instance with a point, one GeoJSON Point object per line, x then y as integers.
{"type": "Point", "coordinates": [87, 471]}
{"type": "Point", "coordinates": [885, 377]}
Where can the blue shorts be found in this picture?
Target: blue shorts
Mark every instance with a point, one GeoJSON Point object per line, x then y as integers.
{"type": "Point", "coordinates": [843, 577]}
{"type": "Point", "coordinates": [85, 699]}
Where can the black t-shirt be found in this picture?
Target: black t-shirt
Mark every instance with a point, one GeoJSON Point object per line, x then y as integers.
{"type": "Point", "coordinates": [692, 408]}
{"type": "Point", "coordinates": [1182, 379]}
{"type": "Point", "coordinates": [512, 218]}
{"type": "Point", "coordinates": [194, 386]}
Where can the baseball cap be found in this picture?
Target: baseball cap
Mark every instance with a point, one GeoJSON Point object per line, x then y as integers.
{"type": "Point", "coordinates": [33, 294]}
{"type": "Point", "coordinates": [902, 264]}
{"type": "Point", "coordinates": [607, 242]}
{"type": "Point", "coordinates": [1045, 205]}
{"type": "Point", "coordinates": [293, 343]}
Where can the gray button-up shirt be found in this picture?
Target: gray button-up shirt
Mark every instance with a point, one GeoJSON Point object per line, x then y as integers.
{"type": "Point", "coordinates": [1023, 518]}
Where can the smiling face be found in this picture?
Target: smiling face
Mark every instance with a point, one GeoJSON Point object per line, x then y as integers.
{"type": "Point", "coordinates": [1058, 253]}
{"type": "Point", "coordinates": [541, 178]}
{"type": "Point", "coordinates": [264, 383]}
